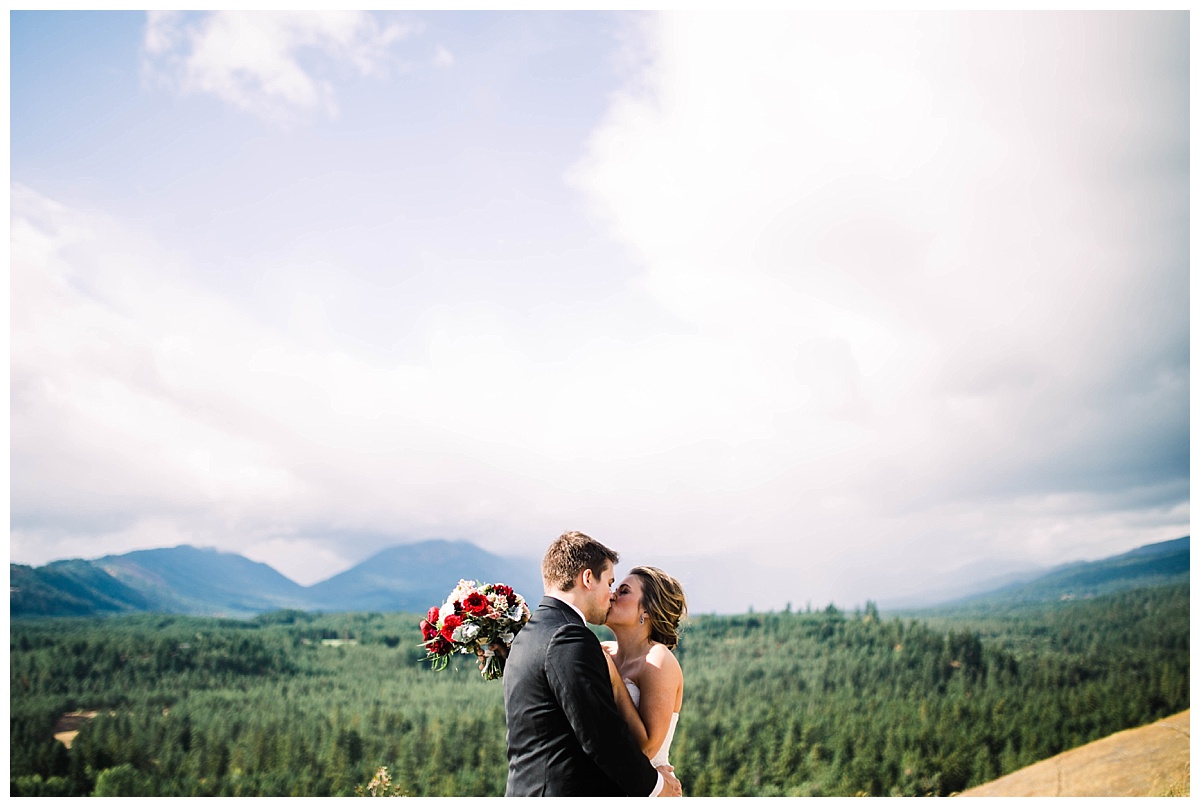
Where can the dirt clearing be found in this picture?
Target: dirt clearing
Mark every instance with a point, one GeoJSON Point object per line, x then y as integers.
{"type": "Point", "coordinates": [67, 727]}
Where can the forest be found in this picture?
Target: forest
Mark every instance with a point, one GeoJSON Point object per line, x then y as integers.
{"type": "Point", "coordinates": [820, 703]}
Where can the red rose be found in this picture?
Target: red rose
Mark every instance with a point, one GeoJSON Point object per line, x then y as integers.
{"type": "Point", "coordinates": [449, 624]}
{"type": "Point", "coordinates": [428, 630]}
{"type": "Point", "coordinates": [476, 604]}
{"type": "Point", "coordinates": [432, 616]}
{"type": "Point", "coordinates": [442, 647]}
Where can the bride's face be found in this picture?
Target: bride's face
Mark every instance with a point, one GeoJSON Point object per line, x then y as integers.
{"type": "Point", "coordinates": [627, 602]}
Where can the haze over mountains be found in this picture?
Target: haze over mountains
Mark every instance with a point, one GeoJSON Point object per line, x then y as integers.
{"type": "Point", "coordinates": [412, 577]}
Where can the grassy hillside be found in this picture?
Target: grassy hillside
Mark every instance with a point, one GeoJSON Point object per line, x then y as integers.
{"type": "Point", "coordinates": [1153, 760]}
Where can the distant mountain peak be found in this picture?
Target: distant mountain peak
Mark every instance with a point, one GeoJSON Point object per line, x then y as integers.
{"type": "Point", "coordinates": [414, 576]}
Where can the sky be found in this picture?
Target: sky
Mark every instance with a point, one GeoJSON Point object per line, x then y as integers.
{"type": "Point", "coordinates": [805, 307]}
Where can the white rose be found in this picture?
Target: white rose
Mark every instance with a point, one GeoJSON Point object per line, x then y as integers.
{"type": "Point", "coordinates": [466, 633]}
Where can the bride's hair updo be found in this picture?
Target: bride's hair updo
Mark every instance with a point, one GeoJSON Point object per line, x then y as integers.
{"type": "Point", "coordinates": [663, 601]}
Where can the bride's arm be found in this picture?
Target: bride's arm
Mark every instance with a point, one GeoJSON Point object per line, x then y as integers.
{"type": "Point", "coordinates": [660, 682]}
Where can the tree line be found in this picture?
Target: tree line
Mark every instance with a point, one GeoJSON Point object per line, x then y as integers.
{"type": "Point", "coordinates": [824, 703]}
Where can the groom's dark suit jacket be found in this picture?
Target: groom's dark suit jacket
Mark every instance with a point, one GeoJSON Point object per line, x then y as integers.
{"type": "Point", "coordinates": [565, 735]}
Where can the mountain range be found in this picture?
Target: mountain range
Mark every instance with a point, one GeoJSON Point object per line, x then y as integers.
{"type": "Point", "coordinates": [188, 580]}
{"type": "Point", "coordinates": [412, 577]}
{"type": "Point", "coordinates": [1154, 564]}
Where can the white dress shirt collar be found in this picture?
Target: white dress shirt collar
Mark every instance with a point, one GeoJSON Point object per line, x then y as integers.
{"type": "Point", "coordinates": [569, 605]}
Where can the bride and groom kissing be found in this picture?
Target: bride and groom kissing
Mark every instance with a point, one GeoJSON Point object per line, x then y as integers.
{"type": "Point", "coordinates": [586, 718]}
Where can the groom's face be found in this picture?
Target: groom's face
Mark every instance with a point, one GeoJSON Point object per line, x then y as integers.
{"type": "Point", "coordinates": [600, 596]}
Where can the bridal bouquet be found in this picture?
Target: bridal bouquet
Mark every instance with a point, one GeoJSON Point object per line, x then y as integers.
{"type": "Point", "coordinates": [474, 616]}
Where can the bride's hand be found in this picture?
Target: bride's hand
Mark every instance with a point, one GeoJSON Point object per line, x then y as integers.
{"type": "Point", "coordinates": [671, 785]}
{"type": "Point", "coordinates": [498, 648]}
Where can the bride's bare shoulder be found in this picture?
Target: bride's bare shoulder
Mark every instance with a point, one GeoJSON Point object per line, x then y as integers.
{"type": "Point", "coordinates": [661, 656]}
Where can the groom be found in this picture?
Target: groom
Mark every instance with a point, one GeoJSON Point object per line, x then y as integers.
{"type": "Point", "coordinates": [565, 735]}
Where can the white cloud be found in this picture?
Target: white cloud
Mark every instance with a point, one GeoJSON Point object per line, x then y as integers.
{"type": "Point", "coordinates": [104, 349]}
{"type": "Point", "coordinates": [278, 65]}
{"type": "Point", "coordinates": [913, 315]}
{"type": "Point", "coordinates": [443, 57]}
{"type": "Point", "coordinates": [907, 228]}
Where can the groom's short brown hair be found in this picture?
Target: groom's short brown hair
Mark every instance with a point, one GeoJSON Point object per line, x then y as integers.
{"type": "Point", "coordinates": [570, 554]}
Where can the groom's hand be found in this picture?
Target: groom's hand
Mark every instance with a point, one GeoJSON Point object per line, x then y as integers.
{"type": "Point", "coordinates": [671, 785]}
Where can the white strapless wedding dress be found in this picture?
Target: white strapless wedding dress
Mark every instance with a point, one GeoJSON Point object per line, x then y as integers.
{"type": "Point", "coordinates": [661, 757]}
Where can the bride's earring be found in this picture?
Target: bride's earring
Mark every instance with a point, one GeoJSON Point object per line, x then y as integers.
{"type": "Point", "coordinates": [642, 621]}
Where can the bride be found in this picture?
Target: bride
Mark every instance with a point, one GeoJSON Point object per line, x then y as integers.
{"type": "Point", "coordinates": [646, 677]}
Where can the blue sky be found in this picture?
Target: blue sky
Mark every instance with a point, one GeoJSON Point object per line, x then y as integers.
{"type": "Point", "coordinates": [803, 306]}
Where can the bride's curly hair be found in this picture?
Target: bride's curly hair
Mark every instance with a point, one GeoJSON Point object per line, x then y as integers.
{"type": "Point", "coordinates": [664, 601]}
